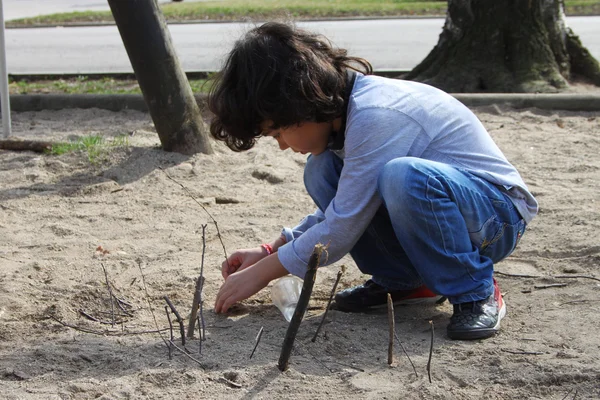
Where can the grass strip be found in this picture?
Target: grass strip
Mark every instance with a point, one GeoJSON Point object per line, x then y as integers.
{"type": "Point", "coordinates": [257, 10]}
{"type": "Point", "coordinates": [85, 85]}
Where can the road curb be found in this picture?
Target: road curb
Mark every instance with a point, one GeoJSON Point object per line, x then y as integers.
{"type": "Point", "coordinates": [119, 102]}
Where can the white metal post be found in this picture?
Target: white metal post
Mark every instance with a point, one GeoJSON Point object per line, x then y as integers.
{"type": "Point", "coordinates": [4, 96]}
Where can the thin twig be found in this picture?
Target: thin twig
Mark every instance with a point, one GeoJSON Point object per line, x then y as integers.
{"type": "Point", "coordinates": [552, 285]}
{"type": "Point", "coordinates": [200, 336]}
{"type": "Point", "coordinates": [102, 333]}
{"type": "Point", "coordinates": [197, 302]}
{"type": "Point", "coordinates": [204, 208]}
{"type": "Point", "coordinates": [195, 308]}
{"type": "Point", "coordinates": [392, 329]}
{"type": "Point", "coordinates": [178, 319]}
{"type": "Point", "coordinates": [200, 300]}
{"type": "Point", "coordinates": [335, 284]}
{"type": "Point", "coordinates": [517, 275]}
{"type": "Point", "coordinates": [170, 331]}
{"type": "Point", "coordinates": [406, 353]}
{"type": "Point", "coordinates": [185, 353]}
{"type": "Point", "coordinates": [430, 352]}
{"type": "Point", "coordinates": [110, 295]}
{"type": "Point", "coordinates": [529, 353]}
{"type": "Point", "coordinates": [257, 341]}
{"type": "Point", "coordinates": [92, 318]}
{"type": "Point", "coordinates": [578, 301]}
{"type": "Point", "coordinates": [577, 276]}
{"type": "Point", "coordinates": [148, 301]}
{"type": "Point", "coordinates": [567, 395]}
{"type": "Point", "coordinates": [550, 276]}
{"type": "Point", "coordinates": [307, 287]}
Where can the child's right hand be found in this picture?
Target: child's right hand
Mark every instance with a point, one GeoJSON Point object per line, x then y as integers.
{"type": "Point", "coordinates": [242, 259]}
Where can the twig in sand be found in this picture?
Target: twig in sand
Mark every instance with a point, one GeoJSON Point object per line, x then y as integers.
{"type": "Point", "coordinates": [167, 342]}
{"type": "Point", "coordinates": [139, 263]}
{"type": "Point", "coordinates": [178, 319]}
{"type": "Point", "coordinates": [110, 295]}
{"type": "Point", "coordinates": [201, 206]}
{"type": "Point", "coordinates": [197, 302]}
{"type": "Point", "coordinates": [102, 333]}
{"type": "Point", "coordinates": [576, 277]}
{"type": "Point", "coordinates": [307, 287]}
{"type": "Point", "coordinates": [430, 352]}
{"type": "Point", "coordinates": [170, 332]}
{"type": "Point", "coordinates": [568, 393]}
{"type": "Point", "coordinates": [550, 276]}
{"type": "Point", "coordinates": [335, 284]}
{"type": "Point", "coordinates": [406, 353]}
{"type": "Point", "coordinates": [92, 318]}
{"type": "Point", "coordinates": [552, 285]}
{"type": "Point", "coordinates": [529, 353]}
{"type": "Point", "coordinates": [392, 329]}
{"type": "Point", "coordinates": [257, 341]}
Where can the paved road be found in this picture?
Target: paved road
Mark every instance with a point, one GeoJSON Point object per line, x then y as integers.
{"type": "Point", "coordinates": [387, 43]}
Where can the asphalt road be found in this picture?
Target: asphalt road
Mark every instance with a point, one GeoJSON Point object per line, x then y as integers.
{"type": "Point", "coordinates": [387, 43]}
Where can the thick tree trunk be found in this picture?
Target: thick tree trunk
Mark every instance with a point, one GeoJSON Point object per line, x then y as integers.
{"type": "Point", "coordinates": [164, 85]}
{"type": "Point", "coordinates": [506, 46]}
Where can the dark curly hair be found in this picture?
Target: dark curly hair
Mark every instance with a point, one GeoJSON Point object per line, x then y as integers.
{"type": "Point", "coordinates": [278, 73]}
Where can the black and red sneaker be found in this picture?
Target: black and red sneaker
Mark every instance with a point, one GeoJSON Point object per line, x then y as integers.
{"type": "Point", "coordinates": [477, 319]}
{"type": "Point", "coordinates": [372, 295]}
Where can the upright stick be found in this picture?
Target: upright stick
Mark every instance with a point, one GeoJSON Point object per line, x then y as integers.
{"type": "Point", "coordinates": [309, 282]}
{"type": "Point", "coordinates": [392, 328]}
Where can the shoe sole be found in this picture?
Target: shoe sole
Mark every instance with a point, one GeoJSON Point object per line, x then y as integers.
{"type": "Point", "coordinates": [480, 333]}
{"type": "Point", "coordinates": [406, 302]}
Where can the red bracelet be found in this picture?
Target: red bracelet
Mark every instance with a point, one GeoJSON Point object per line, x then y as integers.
{"type": "Point", "coordinates": [268, 248]}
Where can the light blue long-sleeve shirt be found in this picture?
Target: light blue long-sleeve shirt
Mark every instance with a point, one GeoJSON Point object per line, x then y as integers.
{"type": "Point", "coordinates": [387, 119]}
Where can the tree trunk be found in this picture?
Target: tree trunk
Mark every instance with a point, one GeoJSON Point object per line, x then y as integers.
{"type": "Point", "coordinates": [164, 84]}
{"type": "Point", "coordinates": [506, 46]}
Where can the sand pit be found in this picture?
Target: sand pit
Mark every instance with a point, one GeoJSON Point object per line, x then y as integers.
{"type": "Point", "coordinates": [62, 219]}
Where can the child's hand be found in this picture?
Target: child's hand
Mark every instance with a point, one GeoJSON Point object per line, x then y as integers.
{"type": "Point", "coordinates": [247, 281]}
{"type": "Point", "coordinates": [241, 260]}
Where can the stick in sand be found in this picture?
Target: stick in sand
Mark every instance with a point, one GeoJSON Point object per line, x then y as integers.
{"type": "Point", "coordinates": [179, 319]}
{"type": "Point", "coordinates": [197, 302]}
{"type": "Point", "coordinates": [257, 341]}
{"type": "Point", "coordinates": [392, 328]}
{"type": "Point", "coordinates": [430, 353]}
{"type": "Point", "coordinates": [337, 280]}
{"type": "Point", "coordinates": [309, 282]}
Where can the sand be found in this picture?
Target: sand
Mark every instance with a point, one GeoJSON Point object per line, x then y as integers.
{"type": "Point", "coordinates": [64, 221]}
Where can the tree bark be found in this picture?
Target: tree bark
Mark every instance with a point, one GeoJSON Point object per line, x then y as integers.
{"type": "Point", "coordinates": [506, 46]}
{"type": "Point", "coordinates": [163, 82]}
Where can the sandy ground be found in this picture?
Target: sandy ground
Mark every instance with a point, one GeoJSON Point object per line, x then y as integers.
{"type": "Point", "coordinates": [62, 219]}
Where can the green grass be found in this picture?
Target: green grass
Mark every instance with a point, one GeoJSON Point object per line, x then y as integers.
{"type": "Point", "coordinates": [281, 9]}
{"type": "Point", "coordinates": [84, 85]}
{"type": "Point", "coordinates": [94, 146]}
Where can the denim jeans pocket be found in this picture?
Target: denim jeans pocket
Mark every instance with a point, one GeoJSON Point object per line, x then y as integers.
{"type": "Point", "coordinates": [497, 239]}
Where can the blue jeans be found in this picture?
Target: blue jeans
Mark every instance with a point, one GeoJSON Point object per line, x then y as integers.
{"type": "Point", "coordinates": [439, 226]}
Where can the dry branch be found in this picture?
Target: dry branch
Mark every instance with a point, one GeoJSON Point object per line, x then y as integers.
{"type": "Point", "coordinates": [337, 280]}
{"type": "Point", "coordinates": [197, 302]}
{"type": "Point", "coordinates": [307, 287]}
{"type": "Point", "coordinates": [392, 329]}
{"type": "Point", "coordinates": [406, 353]}
{"type": "Point", "coordinates": [26, 145]}
{"type": "Point", "coordinates": [257, 341]}
{"type": "Point", "coordinates": [110, 295]}
{"type": "Point", "coordinates": [430, 352]}
{"type": "Point", "coordinates": [178, 319]}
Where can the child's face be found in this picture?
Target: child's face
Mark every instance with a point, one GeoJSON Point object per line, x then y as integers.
{"type": "Point", "coordinates": [307, 137]}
